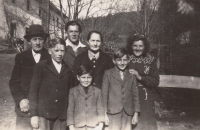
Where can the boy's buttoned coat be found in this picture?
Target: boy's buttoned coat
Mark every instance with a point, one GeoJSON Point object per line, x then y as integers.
{"type": "Point", "coordinates": [49, 90]}
{"type": "Point", "coordinates": [85, 109]}
{"type": "Point", "coordinates": [21, 77]}
{"type": "Point", "coordinates": [120, 94]}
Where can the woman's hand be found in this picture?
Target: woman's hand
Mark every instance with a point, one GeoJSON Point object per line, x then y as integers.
{"type": "Point", "coordinates": [35, 122]}
{"type": "Point", "coordinates": [134, 72]}
{"type": "Point", "coordinates": [135, 118]}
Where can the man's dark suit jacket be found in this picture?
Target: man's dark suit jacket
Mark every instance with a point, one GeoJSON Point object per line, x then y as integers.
{"type": "Point", "coordinates": [70, 55]}
{"type": "Point", "coordinates": [104, 62]}
{"type": "Point", "coordinates": [49, 90]}
{"type": "Point", "coordinates": [120, 94]}
{"type": "Point", "coordinates": [21, 77]}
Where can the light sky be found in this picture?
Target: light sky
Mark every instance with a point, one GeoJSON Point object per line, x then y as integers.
{"type": "Point", "coordinates": [103, 7]}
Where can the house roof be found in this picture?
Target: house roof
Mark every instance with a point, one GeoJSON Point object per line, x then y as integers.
{"type": "Point", "coordinates": [53, 7]}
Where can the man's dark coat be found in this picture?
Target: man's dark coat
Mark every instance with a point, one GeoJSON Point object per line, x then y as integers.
{"type": "Point", "coordinates": [21, 77]}
{"type": "Point", "coordinates": [49, 90]}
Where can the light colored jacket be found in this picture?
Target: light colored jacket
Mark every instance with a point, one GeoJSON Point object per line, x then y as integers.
{"type": "Point", "coordinates": [85, 109]}
{"type": "Point", "coordinates": [120, 94]}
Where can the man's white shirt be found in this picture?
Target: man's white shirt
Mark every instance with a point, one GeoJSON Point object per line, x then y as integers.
{"type": "Point", "coordinates": [74, 47]}
{"type": "Point", "coordinates": [36, 56]}
{"type": "Point", "coordinates": [57, 65]}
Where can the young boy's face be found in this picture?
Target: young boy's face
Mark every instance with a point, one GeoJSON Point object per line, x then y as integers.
{"type": "Point", "coordinates": [85, 80]}
{"type": "Point", "coordinates": [121, 63]}
{"type": "Point", "coordinates": [57, 53]}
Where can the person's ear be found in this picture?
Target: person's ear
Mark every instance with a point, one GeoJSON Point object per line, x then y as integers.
{"type": "Point", "coordinates": [88, 42]}
{"type": "Point", "coordinates": [49, 50]}
{"type": "Point", "coordinates": [78, 77]}
{"type": "Point", "coordinates": [114, 61]}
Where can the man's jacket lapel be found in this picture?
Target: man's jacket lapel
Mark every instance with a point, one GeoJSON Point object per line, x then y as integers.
{"type": "Point", "coordinates": [116, 75]}
{"type": "Point", "coordinates": [64, 70]}
{"type": "Point", "coordinates": [51, 67]}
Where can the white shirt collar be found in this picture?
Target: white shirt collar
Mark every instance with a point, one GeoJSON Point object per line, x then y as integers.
{"type": "Point", "coordinates": [74, 47]}
{"type": "Point", "coordinates": [93, 55]}
{"type": "Point", "coordinates": [57, 65]}
{"type": "Point", "coordinates": [36, 56]}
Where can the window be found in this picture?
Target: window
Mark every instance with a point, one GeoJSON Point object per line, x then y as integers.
{"type": "Point", "coordinates": [28, 5]}
{"type": "Point", "coordinates": [40, 12]}
{"type": "Point", "coordinates": [57, 22]}
{"type": "Point", "coordinates": [13, 29]}
{"type": "Point", "coordinates": [27, 30]}
{"type": "Point", "coordinates": [13, 1]}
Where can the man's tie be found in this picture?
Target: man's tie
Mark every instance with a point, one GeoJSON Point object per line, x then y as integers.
{"type": "Point", "coordinates": [121, 75]}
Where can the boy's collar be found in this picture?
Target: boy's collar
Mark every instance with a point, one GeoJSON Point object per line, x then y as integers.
{"type": "Point", "coordinates": [117, 69]}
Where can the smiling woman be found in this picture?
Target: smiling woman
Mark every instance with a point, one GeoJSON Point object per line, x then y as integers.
{"type": "Point", "coordinates": [144, 67]}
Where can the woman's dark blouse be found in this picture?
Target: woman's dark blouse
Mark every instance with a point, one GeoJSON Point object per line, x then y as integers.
{"type": "Point", "coordinates": [147, 69]}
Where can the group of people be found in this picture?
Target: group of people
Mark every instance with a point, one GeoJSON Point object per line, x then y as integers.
{"type": "Point", "coordinates": [76, 86]}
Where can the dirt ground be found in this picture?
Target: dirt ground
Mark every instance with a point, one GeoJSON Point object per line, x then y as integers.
{"type": "Point", "coordinates": [7, 114]}
{"type": "Point", "coordinates": [167, 120]}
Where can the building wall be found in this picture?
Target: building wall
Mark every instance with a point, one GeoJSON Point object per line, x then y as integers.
{"type": "Point", "coordinates": [3, 24]}
{"type": "Point", "coordinates": [55, 24]}
{"type": "Point", "coordinates": [18, 15]}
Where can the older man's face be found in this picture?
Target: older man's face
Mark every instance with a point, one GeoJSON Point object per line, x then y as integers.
{"type": "Point", "coordinates": [37, 43]}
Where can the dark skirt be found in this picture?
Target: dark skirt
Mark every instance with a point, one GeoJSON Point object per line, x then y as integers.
{"type": "Point", "coordinates": [147, 118]}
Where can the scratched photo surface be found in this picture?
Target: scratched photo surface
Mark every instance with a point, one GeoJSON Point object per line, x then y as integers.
{"type": "Point", "coordinates": [172, 28]}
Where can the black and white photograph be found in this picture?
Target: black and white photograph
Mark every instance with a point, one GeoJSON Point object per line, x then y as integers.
{"type": "Point", "coordinates": [100, 64]}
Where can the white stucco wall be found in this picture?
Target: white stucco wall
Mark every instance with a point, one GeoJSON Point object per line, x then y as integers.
{"type": "Point", "coordinates": [3, 24]}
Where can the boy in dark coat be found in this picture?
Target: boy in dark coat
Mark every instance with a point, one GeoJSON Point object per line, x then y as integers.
{"type": "Point", "coordinates": [22, 73]}
{"type": "Point", "coordinates": [49, 90]}
{"type": "Point", "coordinates": [120, 94]}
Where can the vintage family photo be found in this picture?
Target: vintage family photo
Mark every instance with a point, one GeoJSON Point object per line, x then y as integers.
{"type": "Point", "coordinates": [100, 65]}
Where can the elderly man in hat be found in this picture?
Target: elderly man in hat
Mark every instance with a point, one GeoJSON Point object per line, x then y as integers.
{"type": "Point", "coordinates": [23, 71]}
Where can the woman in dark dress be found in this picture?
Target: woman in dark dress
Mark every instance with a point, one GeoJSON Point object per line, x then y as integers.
{"type": "Point", "coordinates": [144, 67]}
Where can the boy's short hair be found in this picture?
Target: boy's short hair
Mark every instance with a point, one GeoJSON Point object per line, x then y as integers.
{"type": "Point", "coordinates": [85, 69]}
{"type": "Point", "coordinates": [73, 23]}
{"type": "Point", "coordinates": [120, 52]}
{"type": "Point", "coordinates": [55, 41]}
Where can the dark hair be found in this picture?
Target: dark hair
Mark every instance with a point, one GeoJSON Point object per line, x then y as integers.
{"type": "Point", "coordinates": [84, 69]}
{"type": "Point", "coordinates": [120, 52]}
{"type": "Point", "coordinates": [73, 23]}
{"type": "Point", "coordinates": [94, 31]}
{"type": "Point", "coordinates": [55, 41]}
{"type": "Point", "coordinates": [132, 38]}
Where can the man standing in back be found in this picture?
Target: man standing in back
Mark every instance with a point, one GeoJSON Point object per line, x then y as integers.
{"type": "Point", "coordinates": [73, 45]}
{"type": "Point", "coordinates": [22, 73]}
